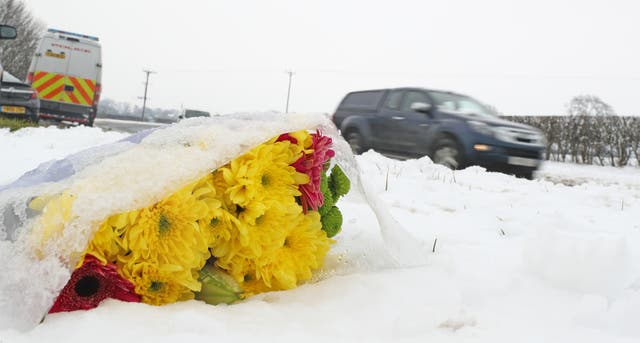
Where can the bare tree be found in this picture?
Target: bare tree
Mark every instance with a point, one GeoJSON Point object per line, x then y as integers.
{"type": "Point", "coordinates": [594, 127]}
{"type": "Point", "coordinates": [623, 141]}
{"type": "Point", "coordinates": [634, 137]}
{"type": "Point", "coordinates": [16, 54]}
{"type": "Point", "coordinates": [552, 129]}
{"type": "Point", "coordinates": [590, 134]}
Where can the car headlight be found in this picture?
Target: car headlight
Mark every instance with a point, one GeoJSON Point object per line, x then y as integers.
{"type": "Point", "coordinates": [482, 128]}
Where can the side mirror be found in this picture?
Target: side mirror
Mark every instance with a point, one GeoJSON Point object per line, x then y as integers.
{"type": "Point", "coordinates": [8, 32]}
{"type": "Point", "coordinates": [421, 107]}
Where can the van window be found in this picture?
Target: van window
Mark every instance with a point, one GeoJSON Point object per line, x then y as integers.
{"type": "Point", "coordinates": [393, 101]}
{"type": "Point", "coordinates": [362, 100]}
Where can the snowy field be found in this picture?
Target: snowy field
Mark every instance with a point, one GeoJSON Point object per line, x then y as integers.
{"type": "Point", "coordinates": [556, 259]}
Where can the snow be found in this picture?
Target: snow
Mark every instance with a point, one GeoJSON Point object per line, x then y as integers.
{"type": "Point", "coordinates": [25, 149]}
{"type": "Point", "coordinates": [556, 259]}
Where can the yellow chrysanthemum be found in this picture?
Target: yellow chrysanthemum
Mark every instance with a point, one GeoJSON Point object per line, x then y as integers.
{"type": "Point", "coordinates": [246, 252]}
{"type": "Point", "coordinates": [251, 211]}
{"type": "Point", "coordinates": [225, 230]}
{"type": "Point", "coordinates": [169, 236]}
{"type": "Point", "coordinates": [303, 140]}
{"type": "Point", "coordinates": [205, 191]}
{"type": "Point", "coordinates": [56, 213]}
{"type": "Point", "coordinates": [108, 243]}
{"type": "Point", "coordinates": [262, 175]}
{"type": "Point", "coordinates": [169, 233]}
{"type": "Point", "coordinates": [220, 186]}
{"type": "Point", "coordinates": [157, 284]}
{"type": "Point", "coordinates": [302, 251]}
{"type": "Point", "coordinates": [251, 286]}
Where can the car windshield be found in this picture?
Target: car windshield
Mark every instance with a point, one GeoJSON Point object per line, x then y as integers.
{"type": "Point", "coordinates": [460, 103]}
{"type": "Point", "coordinates": [6, 77]}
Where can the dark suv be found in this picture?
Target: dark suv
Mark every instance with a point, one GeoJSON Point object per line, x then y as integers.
{"type": "Point", "coordinates": [452, 129]}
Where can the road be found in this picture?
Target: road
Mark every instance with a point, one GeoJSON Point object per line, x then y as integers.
{"type": "Point", "coordinates": [124, 125]}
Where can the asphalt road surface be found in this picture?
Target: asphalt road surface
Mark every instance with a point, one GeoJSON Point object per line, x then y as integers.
{"type": "Point", "coordinates": [124, 125]}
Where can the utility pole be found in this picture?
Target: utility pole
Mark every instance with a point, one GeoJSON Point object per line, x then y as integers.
{"type": "Point", "coordinates": [291, 73]}
{"type": "Point", "coordinates": [146, 85]}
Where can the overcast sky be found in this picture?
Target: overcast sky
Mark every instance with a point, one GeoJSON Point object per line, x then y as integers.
{"type": "Point", "coordinates": [523, 57]}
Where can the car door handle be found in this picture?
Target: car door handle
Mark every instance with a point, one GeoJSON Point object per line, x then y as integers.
{"type": "Point", "coordinates": [397, 118]}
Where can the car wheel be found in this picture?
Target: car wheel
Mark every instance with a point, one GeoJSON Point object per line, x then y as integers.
{"type": "Point", "coordinates": [525, 174]}
{"type": "Point", "coordinates": [447, 153]}
{"type": "Point", "coordinates": [355, 142]}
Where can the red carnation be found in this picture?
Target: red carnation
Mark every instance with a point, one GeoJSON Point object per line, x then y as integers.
{"type": "Point", "coordinates": [312, 165]}
{"type": "Point", "coordinates": [92, 283]}
{"type": "Point", "coordinates": [287, 137]}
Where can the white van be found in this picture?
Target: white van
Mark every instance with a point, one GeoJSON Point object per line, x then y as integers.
{"type": "Point", "coordinates": [66, 70]}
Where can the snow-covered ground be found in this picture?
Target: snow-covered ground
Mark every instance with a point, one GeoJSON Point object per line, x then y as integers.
{"type": "Point", "coordinates": [556, 259]}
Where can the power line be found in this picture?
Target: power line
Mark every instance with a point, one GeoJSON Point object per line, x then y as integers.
{"type": "Point", "coordinates": [291, 73]}
{"type": "Point", "coordinates": [469, 75]}
{"type": "Point", "coordinates": [146, 85]}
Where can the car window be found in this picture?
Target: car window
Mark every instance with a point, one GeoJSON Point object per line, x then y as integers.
{"type": "Point", "coordinates": [460, 103]}
{"type": "Point", "coordinates": [393, 101]}
{"type": "Point", "coordinates": [362, 100]}
{"type": "Point", "coordinates": [6, 77]}
{"type": "Point", "coordinates": [195, 113]}
{"type": "Point", "coordinates": [469, 106]}
{"type": "Point", "coordinates": [412, 97]}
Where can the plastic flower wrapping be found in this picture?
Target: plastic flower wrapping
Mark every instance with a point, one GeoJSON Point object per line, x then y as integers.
{"type": "Point", "coordinates": [260, 223]}
{"type": "Point", "coordinates": [216, 210]}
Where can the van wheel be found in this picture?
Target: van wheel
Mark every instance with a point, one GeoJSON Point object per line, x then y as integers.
{"type": "Point", "coordinates": [447, 153]}
{"type": "Point", "coordinates": [355, 142]}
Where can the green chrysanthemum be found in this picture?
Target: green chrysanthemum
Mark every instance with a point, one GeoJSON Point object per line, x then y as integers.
{"type": "Point", "coordinates": [333, 187]}
{"type": "Point", "coordinates": [339, 182]}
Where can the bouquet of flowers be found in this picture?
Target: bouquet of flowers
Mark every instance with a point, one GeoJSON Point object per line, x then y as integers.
{"type": "Point", "coordinates": [262, 222]}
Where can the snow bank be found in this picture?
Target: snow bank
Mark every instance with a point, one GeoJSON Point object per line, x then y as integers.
{"type": "Point", "coordinates": [44, 144]}
{"type": "Point", "coordinates": [556, 259]}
